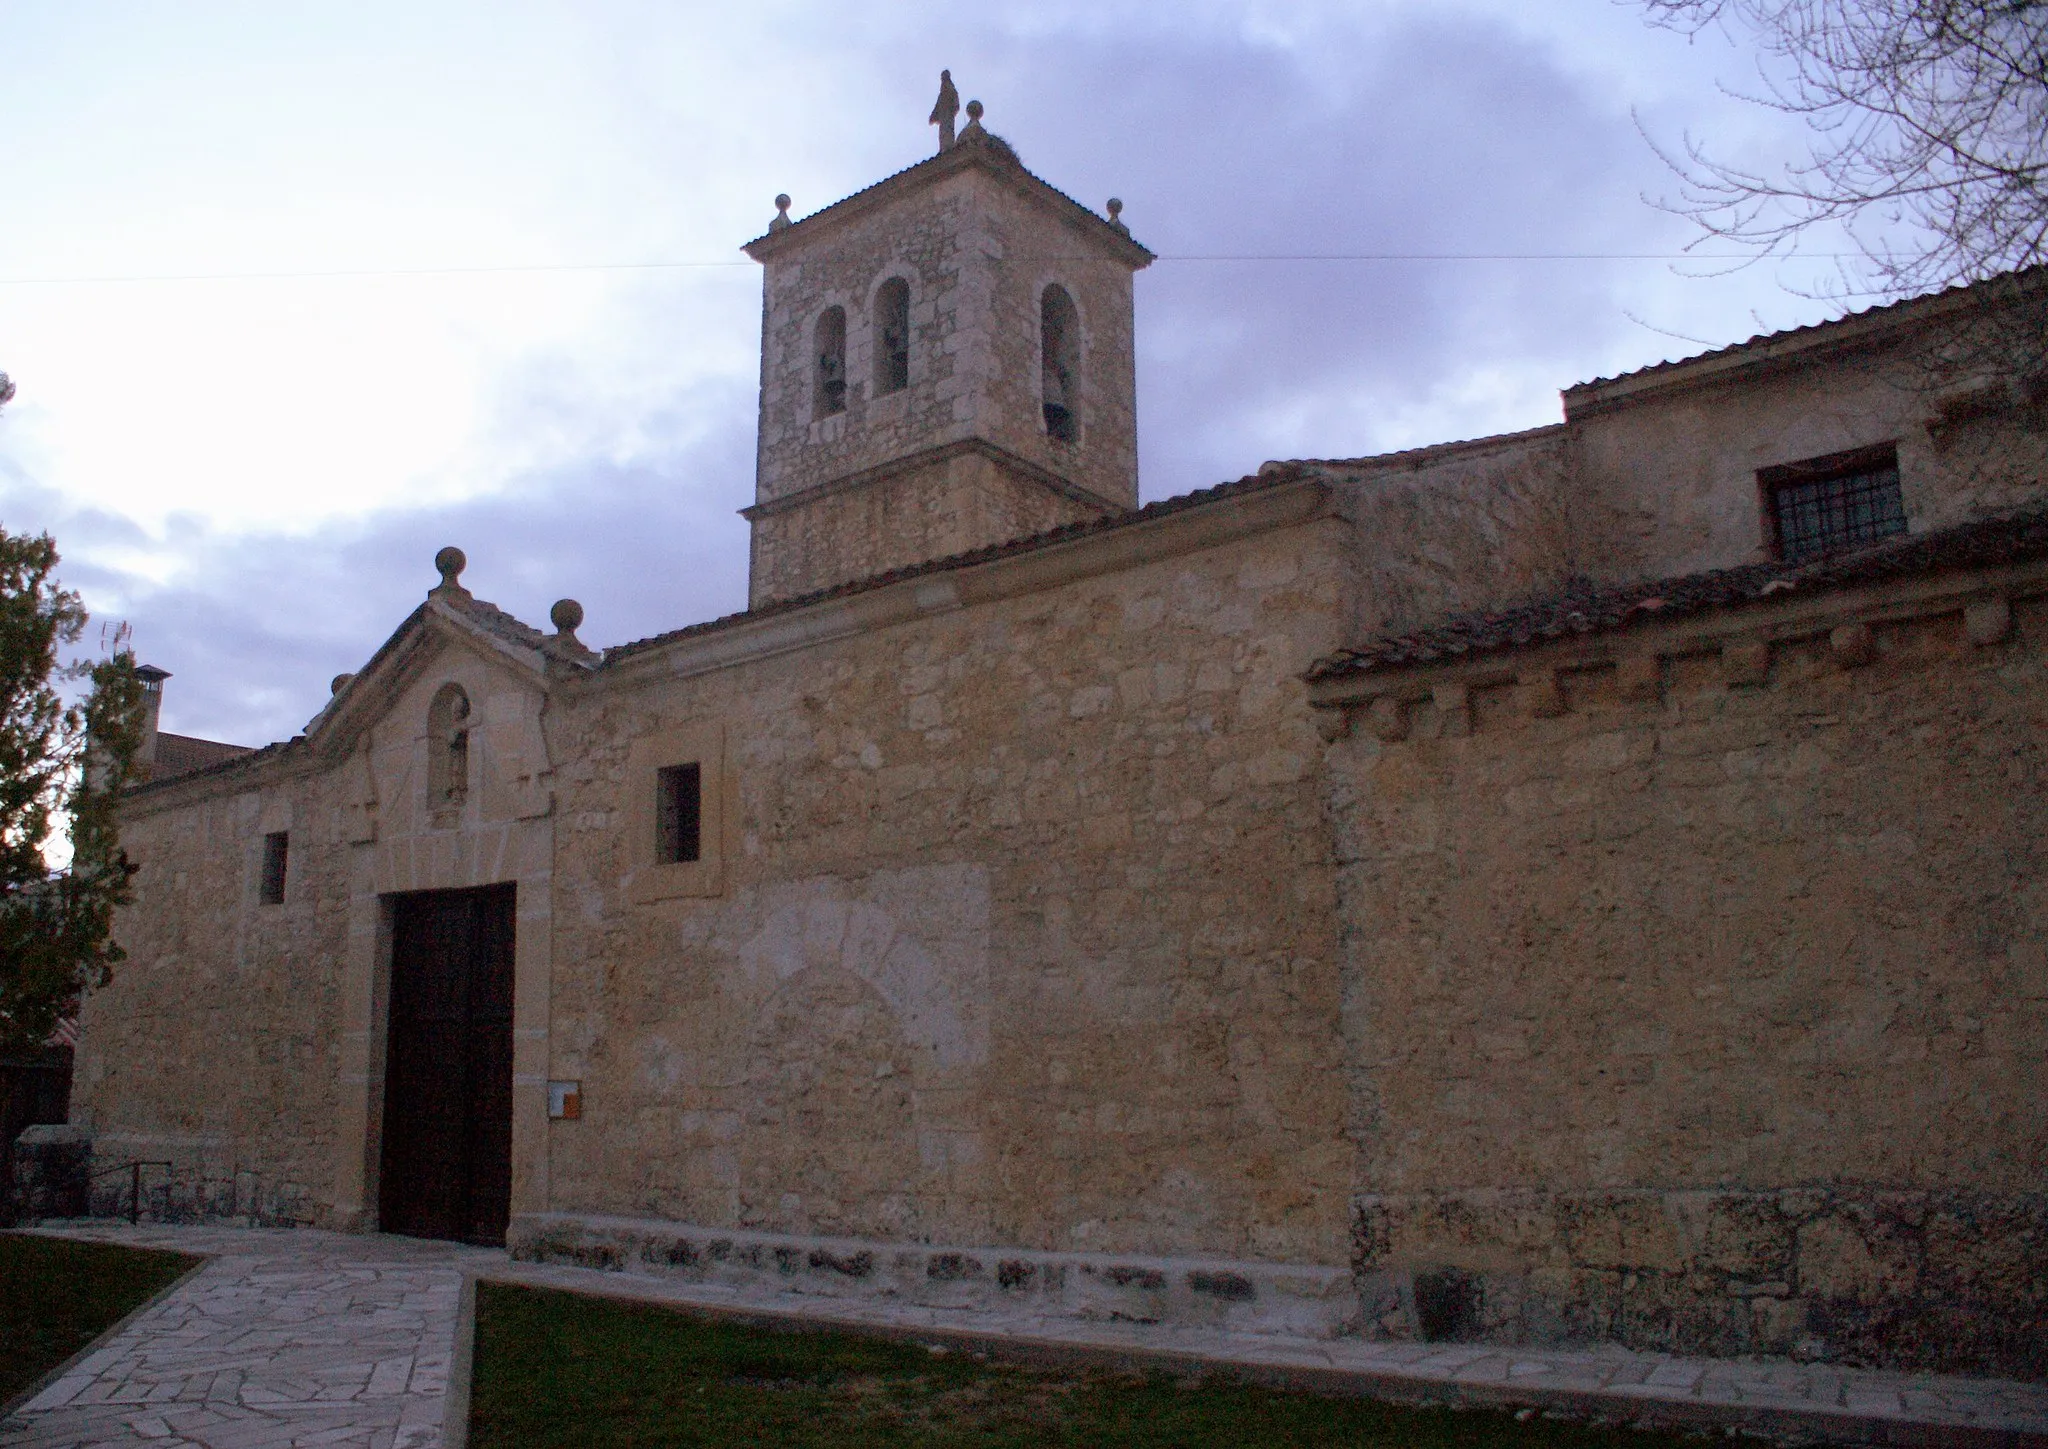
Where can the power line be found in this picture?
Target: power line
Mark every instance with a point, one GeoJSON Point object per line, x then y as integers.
{"type": "Point", "coordinates": [548, 267]}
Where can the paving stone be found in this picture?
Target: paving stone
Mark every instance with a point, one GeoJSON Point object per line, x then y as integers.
{"type": "Point", "coordinates": [301, 1338]}
{"type": "Point", "coordinates": [285, 1339]}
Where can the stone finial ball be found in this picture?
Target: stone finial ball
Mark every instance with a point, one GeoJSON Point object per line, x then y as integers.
{"type": "Point", "coordinates": [782, 201]}
{"type": "Point", "coordinates": [566, 616]}
{"type": "Point", "coordinates": [339, 683]}
{"type": "Point", "coordinates": [1116, 207]}
{"type": "Point", "coordinates": [974, 110]}
{"type": "Point", "coordinates": [451, 561]}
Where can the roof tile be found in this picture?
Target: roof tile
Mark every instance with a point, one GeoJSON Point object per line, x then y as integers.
{"type": "Point", "coordinates": [1269, 477]}
{"type": "Point", "coordinates": [1583, 608]}
{"type": "Point", "coordinates": [2026, 277]}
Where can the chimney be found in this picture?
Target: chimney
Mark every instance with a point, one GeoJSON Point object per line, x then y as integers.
{"type": "Point", "coordinates": [152, 708]}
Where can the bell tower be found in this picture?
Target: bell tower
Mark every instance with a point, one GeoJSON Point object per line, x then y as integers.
{"type": "Point", "coordinates": [946, 363]}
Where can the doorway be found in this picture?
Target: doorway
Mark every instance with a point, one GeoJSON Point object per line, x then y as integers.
{"type": "Point", "coordinates": [447, 1156]}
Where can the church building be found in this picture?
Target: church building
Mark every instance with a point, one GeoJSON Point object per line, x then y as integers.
{"type": "Point", "coordinates": [1580, 885]}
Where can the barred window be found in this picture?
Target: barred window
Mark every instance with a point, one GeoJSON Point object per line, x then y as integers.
{"type": "Point", "coordinates": [1828, 505]}
{"type": "Point", "coordinates": [276, 847]}
{"type": "Point", "coordinates": [679, 813]}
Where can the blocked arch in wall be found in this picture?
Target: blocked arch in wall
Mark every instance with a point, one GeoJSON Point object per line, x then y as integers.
{"type": "Point", "coordinates": [828, 1062]}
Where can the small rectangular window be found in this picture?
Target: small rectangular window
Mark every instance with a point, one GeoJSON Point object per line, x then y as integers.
{"type": "Point", "coordinates": [1828, 505]}
{"type": "Point", "coordinates": [275, 846]}
{"type": "Point", "coordinates": [678, 813]}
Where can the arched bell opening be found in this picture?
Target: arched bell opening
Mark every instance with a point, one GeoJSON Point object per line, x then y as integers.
{"type": "Point", "coordinates": [1059, 330]}
{"type": "Point", "coordinates": [892, 337]}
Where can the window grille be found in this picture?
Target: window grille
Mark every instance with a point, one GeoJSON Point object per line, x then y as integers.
{"type": "Point", "coordinates": [275, 847]}
{"type": "Point", "coordinates": [1832, 505]}
{"type": "Point", "coordinates": [679, 814]}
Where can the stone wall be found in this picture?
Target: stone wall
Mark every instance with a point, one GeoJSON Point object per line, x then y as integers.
{"type": "Point", "coordinates": [1025, 938]}
{"type": "Point", "coordinates": [1031, 251]}
{"type": "Point", "coordinates": [1464, 526]}
{"type": "Point", "coordinates": [1682, 984]}
{"type": "Point", "coordinates": [1667, 484]}
{"type": "Point", "coordinates": [241, 1042]}
{"type": "Point", "coordinates": [1673, 474]}
{"type": "Point", "coordinates": [217, 1046]}
{"type": "Point", "coordinates": [976, 254]}
{"type": "Point", "coordinates": [976, 248]}
{"type": "Point", "coordinates": [930, 250]}
{"type": "Point", "coordinates": [947, 507]}
{"type": "Point", "coordinates": [1702, 1004]}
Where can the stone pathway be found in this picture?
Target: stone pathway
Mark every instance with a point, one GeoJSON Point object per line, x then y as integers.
{"type": "Point", "coordinates": [285, 1338]}
{"type": "Point", "coordinates": [310, 1338]}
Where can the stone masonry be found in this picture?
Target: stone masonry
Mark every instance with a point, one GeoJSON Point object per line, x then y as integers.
{"type": "Point", "coordinates": [1640, 935]}
{"type": "Point", "coordinates": [960, 457]}
{"type": "Point", "coordinates": [1489, 874]}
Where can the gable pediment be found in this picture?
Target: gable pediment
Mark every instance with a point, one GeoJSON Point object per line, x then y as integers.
{"type": "Point", "coordinates": [443, 728]}
{"type": "Point", "coordinates": [434, 630]}
{"type": "Point", "coordinates": [452, 738]}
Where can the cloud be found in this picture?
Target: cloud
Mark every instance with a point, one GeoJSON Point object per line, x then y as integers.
{"type": "Point", "coordinates": [254, 625]}
{"type": "Point", "coordinates": [257, 475]}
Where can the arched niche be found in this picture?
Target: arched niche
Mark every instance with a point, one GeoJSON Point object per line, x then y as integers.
{"type": "Point", "coordinates": [447, 753]}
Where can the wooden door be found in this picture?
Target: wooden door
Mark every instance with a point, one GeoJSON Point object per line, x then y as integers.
{"type": "Point", "coordinates": [448, 1076]}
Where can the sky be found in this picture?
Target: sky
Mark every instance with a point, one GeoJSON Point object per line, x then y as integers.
{"type": "Point", "coordinates": [294, 294]}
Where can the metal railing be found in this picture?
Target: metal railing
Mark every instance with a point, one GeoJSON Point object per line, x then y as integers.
{"type": "Point", "coordinates": [192, 1195]}
{"type": "Point", "coordinates": [134, 1171]}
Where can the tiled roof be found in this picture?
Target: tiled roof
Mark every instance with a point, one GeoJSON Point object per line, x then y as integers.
{"type": "Point", "coordinates": [220, 764]}
{"type": "Point", "coordinates": [182, 754]}
{"type": "Point", "coordinates": [1584, 608]}
{"type": "Point", "coordinates": [1270, 477]}
{"type": "Point", "coordinates": [496, 621]}
{"type": "Point", "coordinates": [1429, 452]}
{"type": "Point", "coordinates": [973, 142]}
{"type": "Point", "coordinates": [2031, 276]}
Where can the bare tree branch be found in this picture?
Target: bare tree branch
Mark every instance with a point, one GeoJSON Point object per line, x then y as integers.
{"type": "Point", "coordinates": [1928, 135]}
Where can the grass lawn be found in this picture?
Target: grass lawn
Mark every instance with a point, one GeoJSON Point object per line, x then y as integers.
{"type": "Point", "coordinates": [563, 1369]}
{"type": "Point", "coordinates": [56, 1296]}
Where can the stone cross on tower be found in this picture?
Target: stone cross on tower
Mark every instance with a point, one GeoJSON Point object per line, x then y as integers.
{"type": "Point", "coordinates": [945, 110]}
{"type": "Point", "coordinates": [946, 364]}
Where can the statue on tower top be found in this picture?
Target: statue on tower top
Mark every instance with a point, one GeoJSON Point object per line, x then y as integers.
{"type": "Point", "coordinates": [945, 110]}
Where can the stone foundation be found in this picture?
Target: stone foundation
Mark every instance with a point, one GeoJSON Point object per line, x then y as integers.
{"type": "Point", "coordinates": [1948, 1281]}
{"type": "Point", "coordinates": [52, 1173]}
{"type": "Point", "coordinates": [76, 1174]}
{"type": "Point", "coordinates": [1241, 1297]}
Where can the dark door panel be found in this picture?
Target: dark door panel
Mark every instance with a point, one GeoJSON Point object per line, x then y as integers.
{"type": "Point", "coordinates": [447, 1166]}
